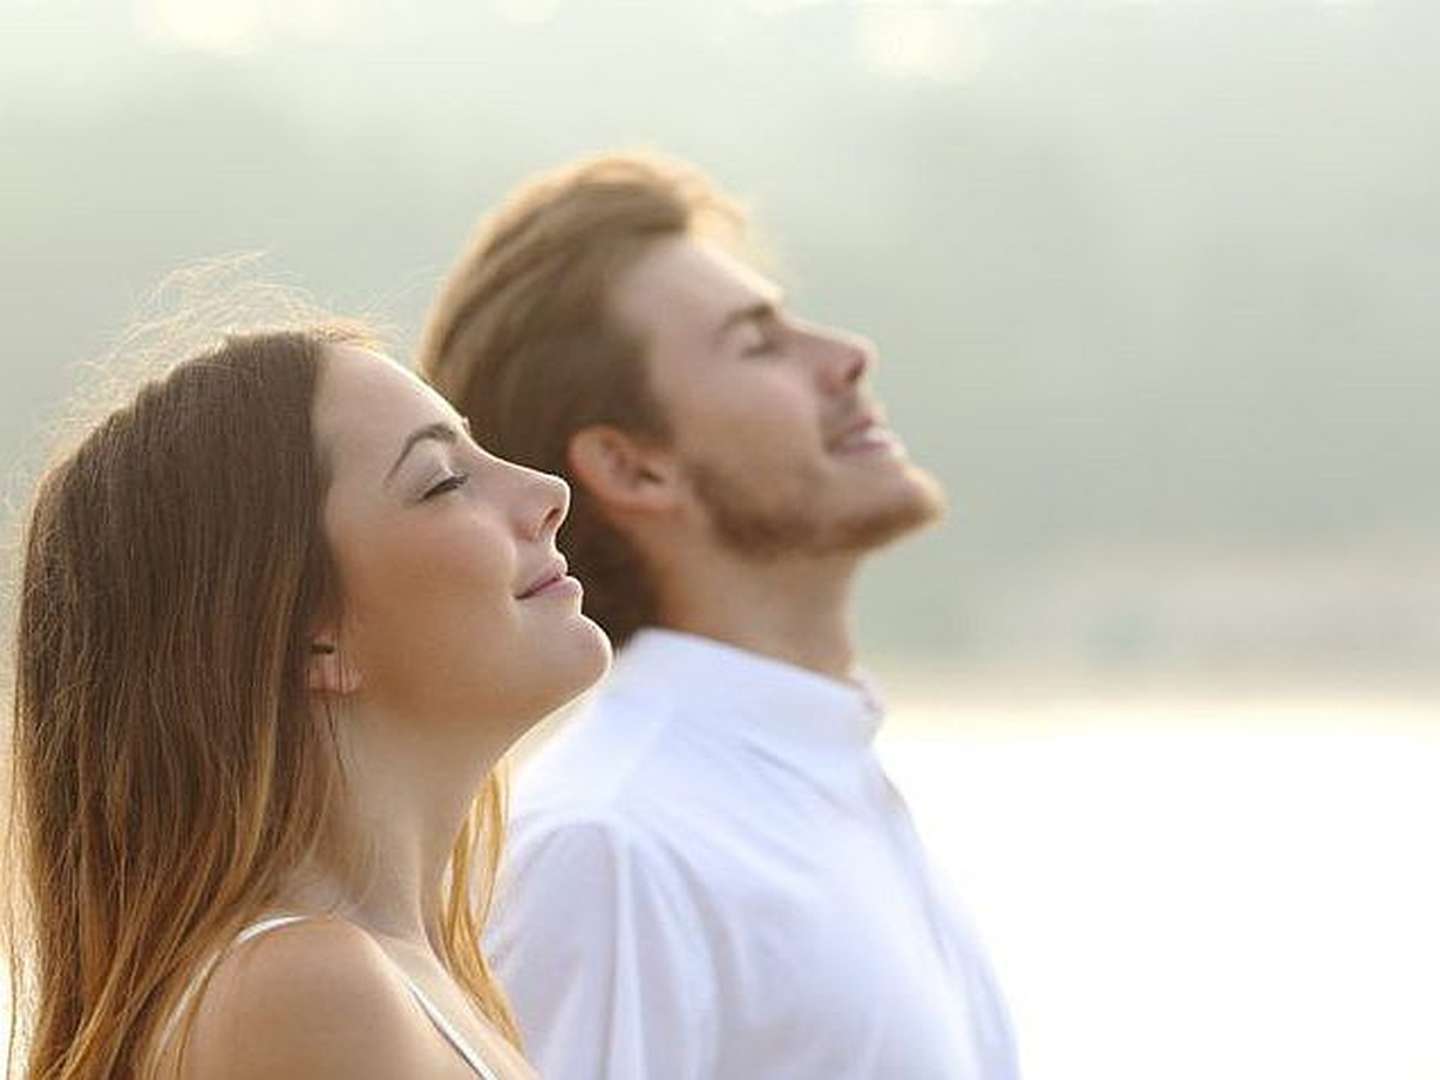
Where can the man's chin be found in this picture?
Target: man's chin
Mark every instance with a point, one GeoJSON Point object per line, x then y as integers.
{"type": "Point", "coordinates": [913, 504]}
{"type": "Point", "coordinates": [885, 510]}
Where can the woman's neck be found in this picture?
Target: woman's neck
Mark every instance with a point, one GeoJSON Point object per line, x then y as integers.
{"type": "Point", "coordinates": [405, 799]}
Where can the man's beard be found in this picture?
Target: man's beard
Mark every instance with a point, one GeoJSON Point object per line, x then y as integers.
{"type": "Point", "coordinates": [751, 525]}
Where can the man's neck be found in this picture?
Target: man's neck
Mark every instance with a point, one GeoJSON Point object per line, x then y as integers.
{"type": "Point", "coordinates": [796, 610]}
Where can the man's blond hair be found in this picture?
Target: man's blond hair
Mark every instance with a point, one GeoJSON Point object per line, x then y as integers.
{"type": "Point", "coordinates": [523, 341]}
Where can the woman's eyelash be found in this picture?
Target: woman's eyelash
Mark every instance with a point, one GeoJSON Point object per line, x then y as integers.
{"type": "Point", "coordinates": [450, 483]}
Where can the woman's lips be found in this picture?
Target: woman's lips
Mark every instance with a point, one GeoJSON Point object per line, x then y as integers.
{"type": "Point", "coordinates": [554, 577]}
{"type": "Point", "coordinates": [561, 586]}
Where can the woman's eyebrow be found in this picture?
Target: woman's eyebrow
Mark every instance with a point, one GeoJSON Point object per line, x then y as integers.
{"type": "Point", "coordinates": [438, 431]}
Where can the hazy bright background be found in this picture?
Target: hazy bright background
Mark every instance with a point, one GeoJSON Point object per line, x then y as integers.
{"type": "Point", "coordinates": [1154, 285]}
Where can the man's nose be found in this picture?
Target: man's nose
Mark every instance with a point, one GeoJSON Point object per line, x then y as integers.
{"type": "Point", "coordinates": [846, 358]}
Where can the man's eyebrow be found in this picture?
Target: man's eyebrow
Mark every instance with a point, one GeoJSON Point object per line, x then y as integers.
{"type": "Point", "coordinates": [438, 431]}
{"type": "Point", "coordinates": [759, 311]}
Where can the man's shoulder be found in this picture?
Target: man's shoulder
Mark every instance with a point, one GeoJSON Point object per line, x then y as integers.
{"type": "Point", "coordinates": [579, 865]}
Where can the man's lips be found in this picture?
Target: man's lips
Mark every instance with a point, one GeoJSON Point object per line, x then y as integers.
{"type": "Point", "coordinates": [855, 427]}
{"type": "Point", "coordinates": [553, 572]}
{"type": "Point", "coordinates": [865, 432]}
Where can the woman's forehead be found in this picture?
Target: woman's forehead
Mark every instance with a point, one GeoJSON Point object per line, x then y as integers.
{"type": "Point", "coordinates": [366, 407]}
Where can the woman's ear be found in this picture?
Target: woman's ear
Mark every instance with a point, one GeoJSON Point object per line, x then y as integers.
{"type": "Point", "coordinates": [623, 473]}
{"type": "Point", "coordinates": [329, 670]}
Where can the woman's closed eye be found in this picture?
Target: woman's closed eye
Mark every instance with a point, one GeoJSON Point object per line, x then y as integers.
{"type": "Point", "coordinates": [450, 483]}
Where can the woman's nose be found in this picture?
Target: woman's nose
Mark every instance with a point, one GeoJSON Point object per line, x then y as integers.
{"type": "Point", "coordinates": [547, 506]}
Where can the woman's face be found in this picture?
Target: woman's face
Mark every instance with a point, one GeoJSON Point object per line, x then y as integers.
{"type": "Point", "coordinates": [455, 603]}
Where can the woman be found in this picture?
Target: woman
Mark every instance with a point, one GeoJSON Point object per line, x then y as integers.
{"type": "Point", "coordinates": [280, 617]}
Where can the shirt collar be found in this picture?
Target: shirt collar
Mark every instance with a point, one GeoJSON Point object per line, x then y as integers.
{"type": "Point", "coordinates": [754, 698]}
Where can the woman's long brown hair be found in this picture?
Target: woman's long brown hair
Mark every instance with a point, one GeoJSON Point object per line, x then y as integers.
{"type": "Point", "coordinates": [169, 770]}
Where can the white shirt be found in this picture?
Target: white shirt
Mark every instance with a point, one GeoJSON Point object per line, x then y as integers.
{"type": "Point", "coordinates": [709, 876]}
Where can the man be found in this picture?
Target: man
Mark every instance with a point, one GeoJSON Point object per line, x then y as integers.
{"type": "Point", "coordinates": [709, 874]}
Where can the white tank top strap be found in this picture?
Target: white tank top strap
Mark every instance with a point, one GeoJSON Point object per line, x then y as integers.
{"type": "Point", "coordinates": [432, 1012]}
{"type": "Point", "coordinates": [274, 922]}
{"type": "Point", "coordinates": [447, 1029]}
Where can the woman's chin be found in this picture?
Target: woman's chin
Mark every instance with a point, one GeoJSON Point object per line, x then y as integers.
{"type": "Point", "coordinates": [576, 663]}
{"type": "Point", "coordinates": [593, 656]}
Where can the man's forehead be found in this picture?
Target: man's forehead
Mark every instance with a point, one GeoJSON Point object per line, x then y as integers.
{"type": "Point", "coordinates": [696, 278]}
{"type": "Point", "coordinates": [734, 274]}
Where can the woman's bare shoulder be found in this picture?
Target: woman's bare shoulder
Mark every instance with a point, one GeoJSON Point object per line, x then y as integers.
{"type": "Point", "coordinates": [316, 998]}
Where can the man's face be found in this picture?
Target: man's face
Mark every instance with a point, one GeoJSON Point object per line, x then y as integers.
{"type": "Point", "coordinates": [780, 441]}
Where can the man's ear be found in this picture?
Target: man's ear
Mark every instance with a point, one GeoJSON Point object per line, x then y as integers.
{"type": "Point", "coordinates": [622, 472]}
{"type": "Point", "coordinates": [329, 670]}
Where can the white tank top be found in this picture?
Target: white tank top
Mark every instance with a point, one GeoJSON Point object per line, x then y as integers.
{"type": "Point", "coordinates": [438, 1018]}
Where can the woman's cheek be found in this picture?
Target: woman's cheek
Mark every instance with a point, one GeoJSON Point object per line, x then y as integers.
{"type": "Point", "coordinates": [469, 560]}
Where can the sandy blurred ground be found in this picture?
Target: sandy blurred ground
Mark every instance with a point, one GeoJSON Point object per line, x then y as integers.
{"type": "Point", "coordinates": [1195, 889]}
